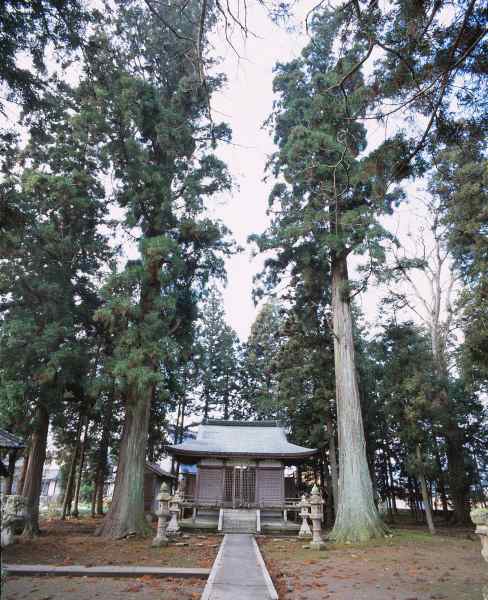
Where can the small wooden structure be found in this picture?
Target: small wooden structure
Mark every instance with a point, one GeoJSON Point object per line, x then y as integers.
{"type": "Point", "coordinates": [240, 464]}
{"type": "Point", "coordinates": [10, 445]}
{"type": "Point", "coordinates": [153, 478]}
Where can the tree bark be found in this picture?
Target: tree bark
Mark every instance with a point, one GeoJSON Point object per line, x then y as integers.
{"type": "Point", "coordinates": [126, 514]}
{"type": "Point", "coordinates": [20, 489]}
{"type": "Point", "coordinates": [12, 457]}
{"type": "Point", "coordinates": [102, 461]}
{"type": "Point", "coordinates": [357, 518]}
{"type": "Point", "coordinates": [391, 483]}
{"type": "Point", "coordinates": [33, 478]}
{"type": "Point", "coordinates": [75, 512]}
{"type": "Point", "coordinates": [333, 459]}
{"type": "Point", "coordinates": [100, 490]}
{"type": "Point", "coordinates": [441, 483]}
{"type": "Point", "coordinates": [68, 492]}
{"type": "Point", "coordinates": [425, 493]}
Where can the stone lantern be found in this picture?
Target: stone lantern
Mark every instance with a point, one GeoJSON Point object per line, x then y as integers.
{"type": "Point", "coordinates": [175, 502]}
{"type": "Point", "coordinates": [305, 530]}
{"type": "Point", "coordinates": [479, 516]}
{"type": "Point", "coordinates": [162, 513]}
{"type": "Point", "coordinates": [316, 503]}
{"type": "Point", "coordinates": [13, 512]}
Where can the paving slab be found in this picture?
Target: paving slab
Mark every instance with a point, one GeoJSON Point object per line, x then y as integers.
{"type": "Point", "coordinates": [239, 572]}
{"type": "Point", "coordinates": [104, 571]}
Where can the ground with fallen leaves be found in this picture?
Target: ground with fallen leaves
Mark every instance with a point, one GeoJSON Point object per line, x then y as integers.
{"type": "Point", "coordinates": [410, 565]}
{"type": "Point", "coordinates": [89, 588]}
{"type": "Point", "coordinates": [72, 542]}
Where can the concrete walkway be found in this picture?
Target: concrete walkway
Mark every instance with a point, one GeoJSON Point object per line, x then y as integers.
{"type": "Point", "coordinates": [239, 572]}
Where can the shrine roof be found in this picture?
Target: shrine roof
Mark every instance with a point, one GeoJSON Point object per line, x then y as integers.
{"type": "Point", "coordinates": [9, 440]}
{"type": "Point", "coordinates": [261, 439]}
{"type": "Point", "coordinates": [157, 470]}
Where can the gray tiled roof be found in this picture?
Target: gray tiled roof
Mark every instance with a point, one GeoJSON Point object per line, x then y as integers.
{"type": "Point", "coordinates": [241, 438]}
{"type": "Point", "coordinates": [9, 440]}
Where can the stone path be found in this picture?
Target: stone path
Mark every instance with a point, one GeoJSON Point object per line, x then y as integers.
{"type": "Point", "coordinates": [239, 572]}
{"type": "Point", "coordinates": [108, 571]}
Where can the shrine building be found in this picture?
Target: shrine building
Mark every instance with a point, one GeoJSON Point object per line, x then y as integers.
{"type": "Point", "coordinates": [240, 466]}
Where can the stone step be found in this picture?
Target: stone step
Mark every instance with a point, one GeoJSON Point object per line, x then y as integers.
{"type": "Point", "coordinates": [239, 521]}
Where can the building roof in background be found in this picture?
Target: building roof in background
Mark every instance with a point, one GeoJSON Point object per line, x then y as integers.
{"type": "Point", "coordinates": [158, 471]}
{"type": "Point", "coordinates": [9, 440]}
{"type": "Point", "coordinates": [260, 439]}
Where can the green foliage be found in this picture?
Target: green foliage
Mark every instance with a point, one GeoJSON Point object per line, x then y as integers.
{"type": "Point", "coordinates": [460, 183]}
{"type": "Point", "coordinates": [27, 29]}
{"type": "Point", "coordinates": [217, 353]}
{"type": "Point", "coordinates": [151, 110]}
{"type": "Point", "coordinates": [53, 251]}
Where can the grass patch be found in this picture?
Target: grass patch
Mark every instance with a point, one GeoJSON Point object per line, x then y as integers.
{"type": "Point", "coordinates": [292, 548]}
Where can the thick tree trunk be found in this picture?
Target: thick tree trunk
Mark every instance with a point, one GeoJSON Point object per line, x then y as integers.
{"type": "Point", "coordinates": [12, 457]}
{"type": "Point", "coordinates": [441, 482]}
{"type": "Point", "coordinates": [102, 462]}
{"type": "Point", "coordinates": [94, 494]}
{"type": "Point", "coordinates": [458, 485]}
{"type": "Point", "coordinates": [68, 492]}
{"type": "Point", "coordinates": [100, 489]}
{"type": "Point", "coordinates": [75, 512]}
{"type": "Point", "coordinates": [23, 473]}
{"type": "Point", "coordinates": [391, 483]}
{"type": "Point", "coordinates": [453, 434]}
{"type": "Point", "coordinates": [126, 515]}
{"type": "Point", "coordinates": [357, 518]}
{"type": "Point", "coordinates": [33, 478]}
{"type": "Point", "coordinates": [425, 493]}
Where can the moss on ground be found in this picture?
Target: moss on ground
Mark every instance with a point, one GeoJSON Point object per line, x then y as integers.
{"type": "Point", "coordinates": [292, 548]}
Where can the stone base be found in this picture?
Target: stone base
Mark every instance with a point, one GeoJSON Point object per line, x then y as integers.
{"type": "Point", "coordinates": [159, 542]}
{"type": "Point", "coordinates": [482, 531]}
{"type": "Point", "coordinates": [317, 545]}
{"type": "Point", "coordinates": [173, 534]}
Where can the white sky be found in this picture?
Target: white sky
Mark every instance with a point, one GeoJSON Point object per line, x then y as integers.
{"type": "Point", "coordinates": [245, 103]}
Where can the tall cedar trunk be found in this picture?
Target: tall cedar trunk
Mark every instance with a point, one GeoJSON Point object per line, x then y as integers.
{"type": "Point", "coordinates": [357, 518]}
{"type": "Point", "coordinates": [425, 493]}
{"type": "Point", "coordinates": [102, 461]}
{"type": "Point", "coordinates": [452, 432]}
{"type": "Point", "coordinates": [126, 514]}
{"type": "Point", "coordinates": [68, 492]}
{"type": "Point", "coordinates": [332, 459]}
{"type": "Point", "coordinates": [12, 457]}
{"type": "Point", "coordinates": [33, 477]}
{"type": "Point", "coordinates": [176, 436]}
{"type": "Point", "coordinates": [100, 490]}
{"type": "Point", "coordinates": [441, 483]}
{"type": "Point", "coordinates": [411, 498]}
{"type": "Point", "coordinates": [20, 489]}
{"type": "Point", "coordinates": [458, 485]}
{"type": "Point", "coordinates": [391, 482]}
{"type": "Point", "coordinates": [75, 511]}
{"type": "Point", "coordinates": [387, 486]}
{"type": "Point", "coordinates": [94, 493]}
{"type": "Point", "coordinates": [327, 484]}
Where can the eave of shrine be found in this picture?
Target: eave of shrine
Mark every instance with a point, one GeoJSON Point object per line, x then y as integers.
{"type": "Point", "coordinates": [241, 439]}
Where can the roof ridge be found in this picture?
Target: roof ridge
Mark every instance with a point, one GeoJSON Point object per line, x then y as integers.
{"type": "Point", "coordinates": [228, 423]}
{"type": "Point", "coordinates": [10, 440]}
